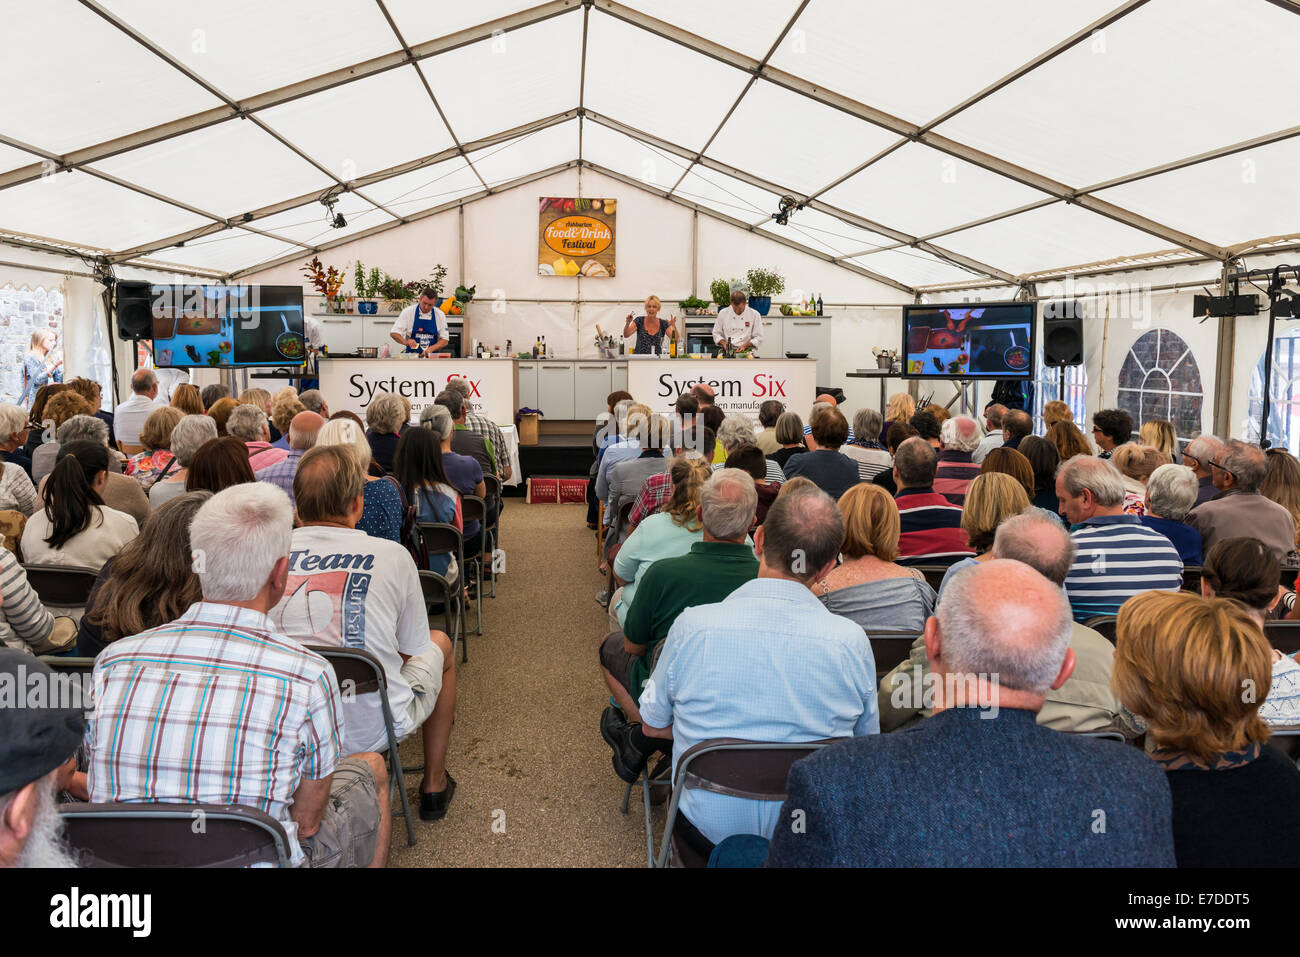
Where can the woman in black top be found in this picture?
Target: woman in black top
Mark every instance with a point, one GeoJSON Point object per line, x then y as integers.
{"type": "Point", "coordinates": [1043, 459]}
{"type": "Point", "coordinates": [650, 329]}
{"type": "Point", "coordinates": [1196, 669]}
{"type": "Point", "coordinates": [789, 435]}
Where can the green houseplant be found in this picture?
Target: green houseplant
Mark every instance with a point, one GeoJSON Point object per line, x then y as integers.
{"type": "Point", "coordinates": [694, 306]}
{"type": "Point", "coordinates": [720, 290]}
{"type": "Point", "coordinates": [763, 284]}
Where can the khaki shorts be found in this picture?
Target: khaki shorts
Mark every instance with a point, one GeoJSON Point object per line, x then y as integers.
{"type": "Point", "coordinates": [614, 656]}
{"type": "Point", "coordinates": [349, 828]}
{"type": "Point", "coordinates": [423, 672]}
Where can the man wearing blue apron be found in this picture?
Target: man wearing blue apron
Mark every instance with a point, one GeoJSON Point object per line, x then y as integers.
{"type": "Point", "coordinates": [422, 327]}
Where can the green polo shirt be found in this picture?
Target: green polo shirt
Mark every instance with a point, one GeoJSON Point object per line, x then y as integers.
{"type": "Point", "coordinates": [706, 574]}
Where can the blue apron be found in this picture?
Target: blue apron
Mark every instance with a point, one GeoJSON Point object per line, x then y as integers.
{"type": "Point", "coordinates": [424, 330]}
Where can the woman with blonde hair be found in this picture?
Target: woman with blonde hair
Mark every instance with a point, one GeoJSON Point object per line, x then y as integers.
{"type": "Point", "coordinates": [156, 461]}
{"type": "Point", "coordinates": [1159, 434]}
{"type": "Point", "coordinates": [991, 499]}
{"type": "Point", "coordinates": [257, 397]}
{"type": "Point", "coordinates": [1136, 462]}
{"type": "Point", "coordinates": [284, 406]}
{"type": "Point", "coordinates": [1197, 670]}
{"type": "Point", "coordinates": [1069, 441]}
{"type": "Point", "coordinates": [41, 365]}
{"type": "Point", "coordinates": [650, 329]}
{"type": "Point", "coordinates": [1282, 484]}
{"type": "Point", "coordinates": [188, 399]}
{"type": "Point", "coordinates": [1056, 411]}
{"type": "Point", "coordinates": [869, 586]}
{"type": "Point", "coordinates": [901, 408]}
{"type": "Point", "coordinates": [220, 412]}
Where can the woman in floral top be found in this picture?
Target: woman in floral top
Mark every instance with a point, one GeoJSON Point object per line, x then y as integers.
{"type": "Point", "coordinates": [156, 461]}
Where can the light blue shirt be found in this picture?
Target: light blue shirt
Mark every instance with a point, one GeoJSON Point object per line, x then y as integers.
{"type": "Point", "coordinates": [620, 451]}
{"type": "Point", "coordinates": [769, 663]}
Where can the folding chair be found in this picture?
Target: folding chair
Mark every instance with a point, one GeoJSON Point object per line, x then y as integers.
{"type": "Point", "coordinates": [494, 500]}
{"type": "Point", "coordinates": [1192, 578]}
{"type": "Point", "coordinates": [933, 574]}
{"type": "Point", "coordinates": [363, 673]}
{"type": "Point", "coordinates": [72, 666]}
{"type": "Point", "coordinates": [1283, 635]}
{"type": "Point", "coordinates": [1289, 743]}
{"type": "Point", "coordinates": [890, 649]}
{"type": "Point", "coordinates": [62, 585]}
{"type": "Point", "coordinates": [746, 769]}
{"type": "Point", "coordinates": [164, 835]}
{"type": "Point", "coordinates": [1103, 625]}
{"type": "Point", "coordinates": [474, 509]}
{"type": "Point", "coordinates": [443, 538]}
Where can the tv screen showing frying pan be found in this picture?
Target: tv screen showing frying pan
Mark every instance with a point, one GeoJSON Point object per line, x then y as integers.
{"type": "Point", "coordinates": [986, 340]}
{"type": "Point", "coordinates": [223, 327]}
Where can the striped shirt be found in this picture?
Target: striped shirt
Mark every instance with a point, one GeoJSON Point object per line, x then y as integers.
{"type": "Point", "coordinates": [930, 529]}
{"type": "Point", "coordinates": [871, 459]}
{"type": "Point", "coordinates": [24, 621]}
{"type": "Point", "coordinates": [216, 707]}
{"type": "Point", "coordinates": [774, 471]}
{"type": "Point", "coordinates": [17, 491]}
{"type": "Point", "coordinates": [954, 474]}
{"type": "Point", "coordinates": [1118, 558]}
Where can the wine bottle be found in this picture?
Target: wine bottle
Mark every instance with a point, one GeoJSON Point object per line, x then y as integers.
{"type": "Point", "coordinates": [819, 305]}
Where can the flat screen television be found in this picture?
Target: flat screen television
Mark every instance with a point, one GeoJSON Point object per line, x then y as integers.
{"type": "Point", "coordinates": [983, 340]}
{"type": "Point", "coordinates": [223, 327]}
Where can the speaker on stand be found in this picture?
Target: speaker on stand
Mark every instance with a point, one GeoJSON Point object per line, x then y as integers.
{"type": "Point", "coordinates": [131, 307]}
{"type": "Point", "coordinates": [1062, 337]}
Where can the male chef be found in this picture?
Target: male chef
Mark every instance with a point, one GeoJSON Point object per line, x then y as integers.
{"type": "Point", "coordinates": [421, 327]}
{"type": "Point", "coordinates": [738, 323]}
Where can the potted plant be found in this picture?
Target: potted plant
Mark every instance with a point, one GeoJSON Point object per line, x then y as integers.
{"type": "Point", "coordinates": [395, 293]}
{"type": "Point", "coordinates": [328, 282]}
{"type": "Point", "coordinates": [367, 289]}
{"type": "Point", "coordinates": [720, 290]}
{"type": "Point", "coordinates": [694, 306]}
{"type": "Point", "coordinates": [763, 284]}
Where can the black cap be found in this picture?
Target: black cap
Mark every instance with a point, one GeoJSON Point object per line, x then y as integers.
{"type": "Point", "coordinates": [36, 735]}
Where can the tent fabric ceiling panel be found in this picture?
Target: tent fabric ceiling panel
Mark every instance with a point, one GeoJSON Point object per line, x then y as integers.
{"type": "Point", "coordinates": [426, 187]}
{"type": "Point", "coordinates": [1235, 198]}
{"type": "Point", "coordinates": [1173, 79]}
{"type": "Point", "coordinates": [656, 85]}
{"type": "Point", "coordinates": [747, 26]}
{"type": "Point", "coordinates": [787, 138]}
{"type": "Point", "coordinates": [914, 267]}
{"type": "Point", "coordinates": [922, 191]}
{"type": "Point", "coordinates": [631, 157]}
{"type": "Point", "coordinates": [306, 224]}
{"type": "Point", "coordinates": [523, 74]}
{"type": "Point", "coordinates": [727, 195]}
{"type": "Point", "coordinates": [823, 231]}
{"type": "Point", "coordinates": [1052, 236]}
{"type": "Point", "coordinates": [72, 80]}
{"type": "Point", "coordinates": [58, 207]}
{"type": "Point", "coordinates": [244, 47]}
{"type": "Point", "coordinates": [347, 129]}
{"type": "Point", "coordinates": [916, 60]}
{"type": "Point", "coordinates": [12, 158]}
{"type": "Point", "coordinates": [421, 20]}
{"type": "Point", "coordinates": [226, 251]}
{"type": "Point", "coordinates": [527, 154]}
{"type": "Point", "coordinates": [226, 169]}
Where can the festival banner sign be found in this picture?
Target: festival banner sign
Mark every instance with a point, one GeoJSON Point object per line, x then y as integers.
{"type": "Point", "coordinates": [575, 236]}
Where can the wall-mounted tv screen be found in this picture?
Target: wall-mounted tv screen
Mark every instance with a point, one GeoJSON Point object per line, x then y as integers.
{"type": "Point", "coordinates": [985, 340]}
{"type": "Point", "coordinates": [223, 327]}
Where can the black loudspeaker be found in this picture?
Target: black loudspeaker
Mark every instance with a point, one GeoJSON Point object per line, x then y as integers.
{"type": "Point", "coordinates": [131, 306]}
{"type": "Point", "coordinates": [1062, 333]}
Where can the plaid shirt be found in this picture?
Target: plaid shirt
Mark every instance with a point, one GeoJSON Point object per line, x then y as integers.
{"type": "Point", "coordinates": [655, 490]}
{"type": "Point", "coordinates": [481, 425]}
{"type": "Point", "coordinates": [215, 707]}
{"type": "Point", "coordinates": [282, 472]}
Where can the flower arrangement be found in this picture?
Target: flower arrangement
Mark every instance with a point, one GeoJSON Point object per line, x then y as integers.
{"type": "Point", "coordinates": [328, 282]}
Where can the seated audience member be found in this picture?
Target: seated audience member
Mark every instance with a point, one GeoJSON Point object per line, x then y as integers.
{"type": "Point", "coordinates": [1011, 462]}
{"type": "Point", "coordinates": [1021, 787]}
{"type": "Point", "coordinates": [120, 492]}
{"type": "Point", "coordinates": [348, 588]}
{"type": "Point", "coordinates": [313, 400]}
{"type": "Point", "coordinates": [958, 438]}
{"type": "Point", "coordinates": [927, 426]}
{"type": "Point", "coordinates": [35, 436]}
{"type": "Point", "coordinates": [156, 461]}
{"type": "Point", "coordinates": [212, 393]}
{"type": "Point", "coordinates": [898, 411]}
{"type": "Point", "coordinates": [1084, 704]}
{"type": "Point", "coordinates": [62, 407]}
{"type": "Point", "coordinates": [865, 449]}
{"type": "Point", "coordinates": [477, 446]}
{"type": "Point", "coordinates": [129, 416]}
{"type": "Point", "coordinates": [789, 436]}
{"type": "Point", "coordinates": [75, 527]}
{"type": "Point", "coordinates": [621, 444]}
{"type": "Point", "coordinates": [284, 406]}
{"type": "Point", "coordinates": [869, 587]}
{"type": "Point", "coordinates": [1016, 424]}
{"type": "Point", "coordinates": [25, 624]}
{"type": "Point", "coordinates": [148, 583]}
{"type": "Point", "coordinates": [478, 424]}
{"type": "Point", "coordinates": [1069, 441]}
{"type": "Point", "coordinates": [1244, 570]}
{"type": "Point", "coordinates": [658, 488]}
{"type": "Point", "coordinates": [712, 569]}
{"type": "Point", "coordinates": [1136, 463]}
{"type": "Point", "coordinates": [750, 460]}
{"type": "Point", "coordinates": [385, 509]}
{"type": "Point", "coordinates": [824, 401]}
{"type": "Point", "coordinates": [417, 469]}
{"type": "Point", "coordinates": [703, 393]}
{"type": "Point", "coordinates": [1056, 411]}
{"type": "Point", "coordinates": [163, 701]}
{"type": "Point", "coordinates": [898, 434]}
{"type": "Point", "coordinates": [218, 464]}
{"type": "Point", "coordinates": [1282, 484]}
{"type": "Point", "coordinates": [16, 489]}
{"type": "Point", "coordinates": [773, 625]}
{"type": "Point", "coordinates": [993, 438]}
{"type": "Point", "coordinates": [940, 413]}
{"type": "Point", "coordinates": [1198, 455]}
{"type": "Point", "coordinates": [830, 471]}
{"type": "Point", "coordinates": [994, 497]}
{"type": "Point", "coordinates": [736, 431]}
{"type": "Point", "coordinates": [768, 413]}
{"type": "Point", "coordinates": [38, 746]}
{"type": "Point", "coordinates": [1159, 435]}
{"type": "Point", "coordinates": [1117, 556]}
{"type": "Point", "coordinates": [90, 390]}
{"type": "Point", "coordinates": [300, 433]}
{"type": "Point", "coordinates": [461, 471]}
{"type": "Point", "coordinates": [665, 534]}
{"type": "Point", "coordinates": [627, 477]}
{"type": "Point", "coordinates": [1111, 428]}
{"type": "Point", "coordinates": [248, 423]}
{"type": "Point", "coordinates": [385, 419]}
{"type": "Point", "coordinates": [1239, 510]}
{"type": "Point", "coordinates": [712, 418]}
{"type": "Point", "coordinates": [1043, 461]}
{"type": "Point", "coordinates": [220, 413]}
{"type": "Point", "coordinates": [930, 525]}
{"type": "Point", "coordinates": [187, 437]}
{"type": "Point", "coordinates": [1170, 495]}
{"type": "Point", "coordinates": [1236, 798]}
{"type": "Point", "coordinates": [188, 399]}
{"type": "Point", "coordinates": [258, 398]}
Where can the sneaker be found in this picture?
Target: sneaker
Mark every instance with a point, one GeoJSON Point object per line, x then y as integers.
{"type": "Point", "coordinates": [617, 732]}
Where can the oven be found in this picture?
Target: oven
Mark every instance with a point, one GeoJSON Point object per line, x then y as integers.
{"type": "Point", "coordinates": [455, 335]}
{"type": "Point", "coordinates": [699, 336]}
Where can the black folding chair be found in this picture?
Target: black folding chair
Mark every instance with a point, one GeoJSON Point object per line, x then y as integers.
{"type": "Point", "coordinates": [443, 538]}
{"type": "Point", "coordinates": [1287, 740]}
{"type": "Point", "coordinates": [474, 509]}
{"type": "Point", "coordinates": [890, 649]}
{"type": "Point", "coordinates": [494, 501]}
{"type": "Point", "coordinates": [1283, 635]}
{"type": "Point", "coordinates": [933, 574]}
{"type": "Point", "coordinates": [1192, 578]}
{"type": "Point", "coordinates": [168, 835]}
{"type": "Point", "coordinates": [1103, 625]}
{"type": "Point", "coordinates": [361, 672]}
{"type": "Point", "coordinates": [66, 586]}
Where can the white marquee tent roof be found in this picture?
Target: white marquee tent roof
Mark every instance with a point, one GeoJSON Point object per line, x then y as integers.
{"type": "Point", "coordinates": [933, 142]}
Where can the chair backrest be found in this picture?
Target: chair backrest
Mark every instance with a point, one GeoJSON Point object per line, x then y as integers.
{"type": "Point", "coordinates": [169, 835]}
{"type": "Point", "coordinates": [66, 585]}
{"type": "Point", "coordinates": [68, 665]}
{"type": "Point", "coordinates": [1286, 739]}
{"type": "Point", "coordinates": [1192, 578]}
{"type": "Point", "coordinates": [355, 666]}
{"type": "Point", "coordinates": [1283, 635]}
{"type": "Point", "coordinates": [442, 538]}
{"type": "Point", "coordinates": [933, 574]}
{"type": "Point", "coordinates": [491, 488]}
{"type": "Point", "coordinates": [473, 509]}
{"type": "Point", "coordinates": [890, 649]}
{"type": "Point", "coordinates": [1103, 625]}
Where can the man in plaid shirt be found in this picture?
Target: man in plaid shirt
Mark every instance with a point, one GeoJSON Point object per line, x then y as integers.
{"type": "Point", "coordinates": [218, 707]}
{"type": "Point", "coordinates": [482, 425]}
{"type": "Point", "coordinates": [658, 489]}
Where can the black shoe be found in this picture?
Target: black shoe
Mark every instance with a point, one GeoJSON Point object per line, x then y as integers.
{"type": "Point", "coordinates": [433, 806]}
{"type": "Point", "coordinates": [617, 732]}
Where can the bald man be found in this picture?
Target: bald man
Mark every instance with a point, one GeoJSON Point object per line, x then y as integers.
{"type": "Point", "coordinates": [303, 429]}
{"type": "Point", "coordinates": [1029, 796]}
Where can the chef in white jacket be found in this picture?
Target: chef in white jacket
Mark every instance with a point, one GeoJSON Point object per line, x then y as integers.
{"type": "Point", "coordinates": [738, 323]}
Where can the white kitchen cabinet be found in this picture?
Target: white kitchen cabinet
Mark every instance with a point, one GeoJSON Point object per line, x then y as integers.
{"type": "Point", "coordinates": [375, 330]}
{"type": "Point", "coordinates": [527, 384]}
{"type": "Point", "coordinates": [591, 387]}
{"type": "Point", "coordinates": [772, 346]}
{"type": "Point", "coordinates": [617, 377]}
{"type": "Point", "coordinates": [813, 336]}
{"type": "Point", "coordinates": [555, 389]}
{"type": "Point", "coordinates": [342, 334]}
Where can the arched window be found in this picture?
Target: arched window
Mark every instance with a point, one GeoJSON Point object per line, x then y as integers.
{"type": "Point", "coordinates": [1161, 380]}
{"type": "Point", "coordinates": [1284, 412]}
{"type": "Point", "coordinates": [1048, 387]}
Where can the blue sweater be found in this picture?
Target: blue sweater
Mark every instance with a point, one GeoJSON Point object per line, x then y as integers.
{"type": "Point", "coordinates": [959, 790]}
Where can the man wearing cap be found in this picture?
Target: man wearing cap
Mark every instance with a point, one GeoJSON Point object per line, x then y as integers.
{"type": "Point", "coordinates": [739, 324]}
{"type": "Point", "coordinates": [36, 745]}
